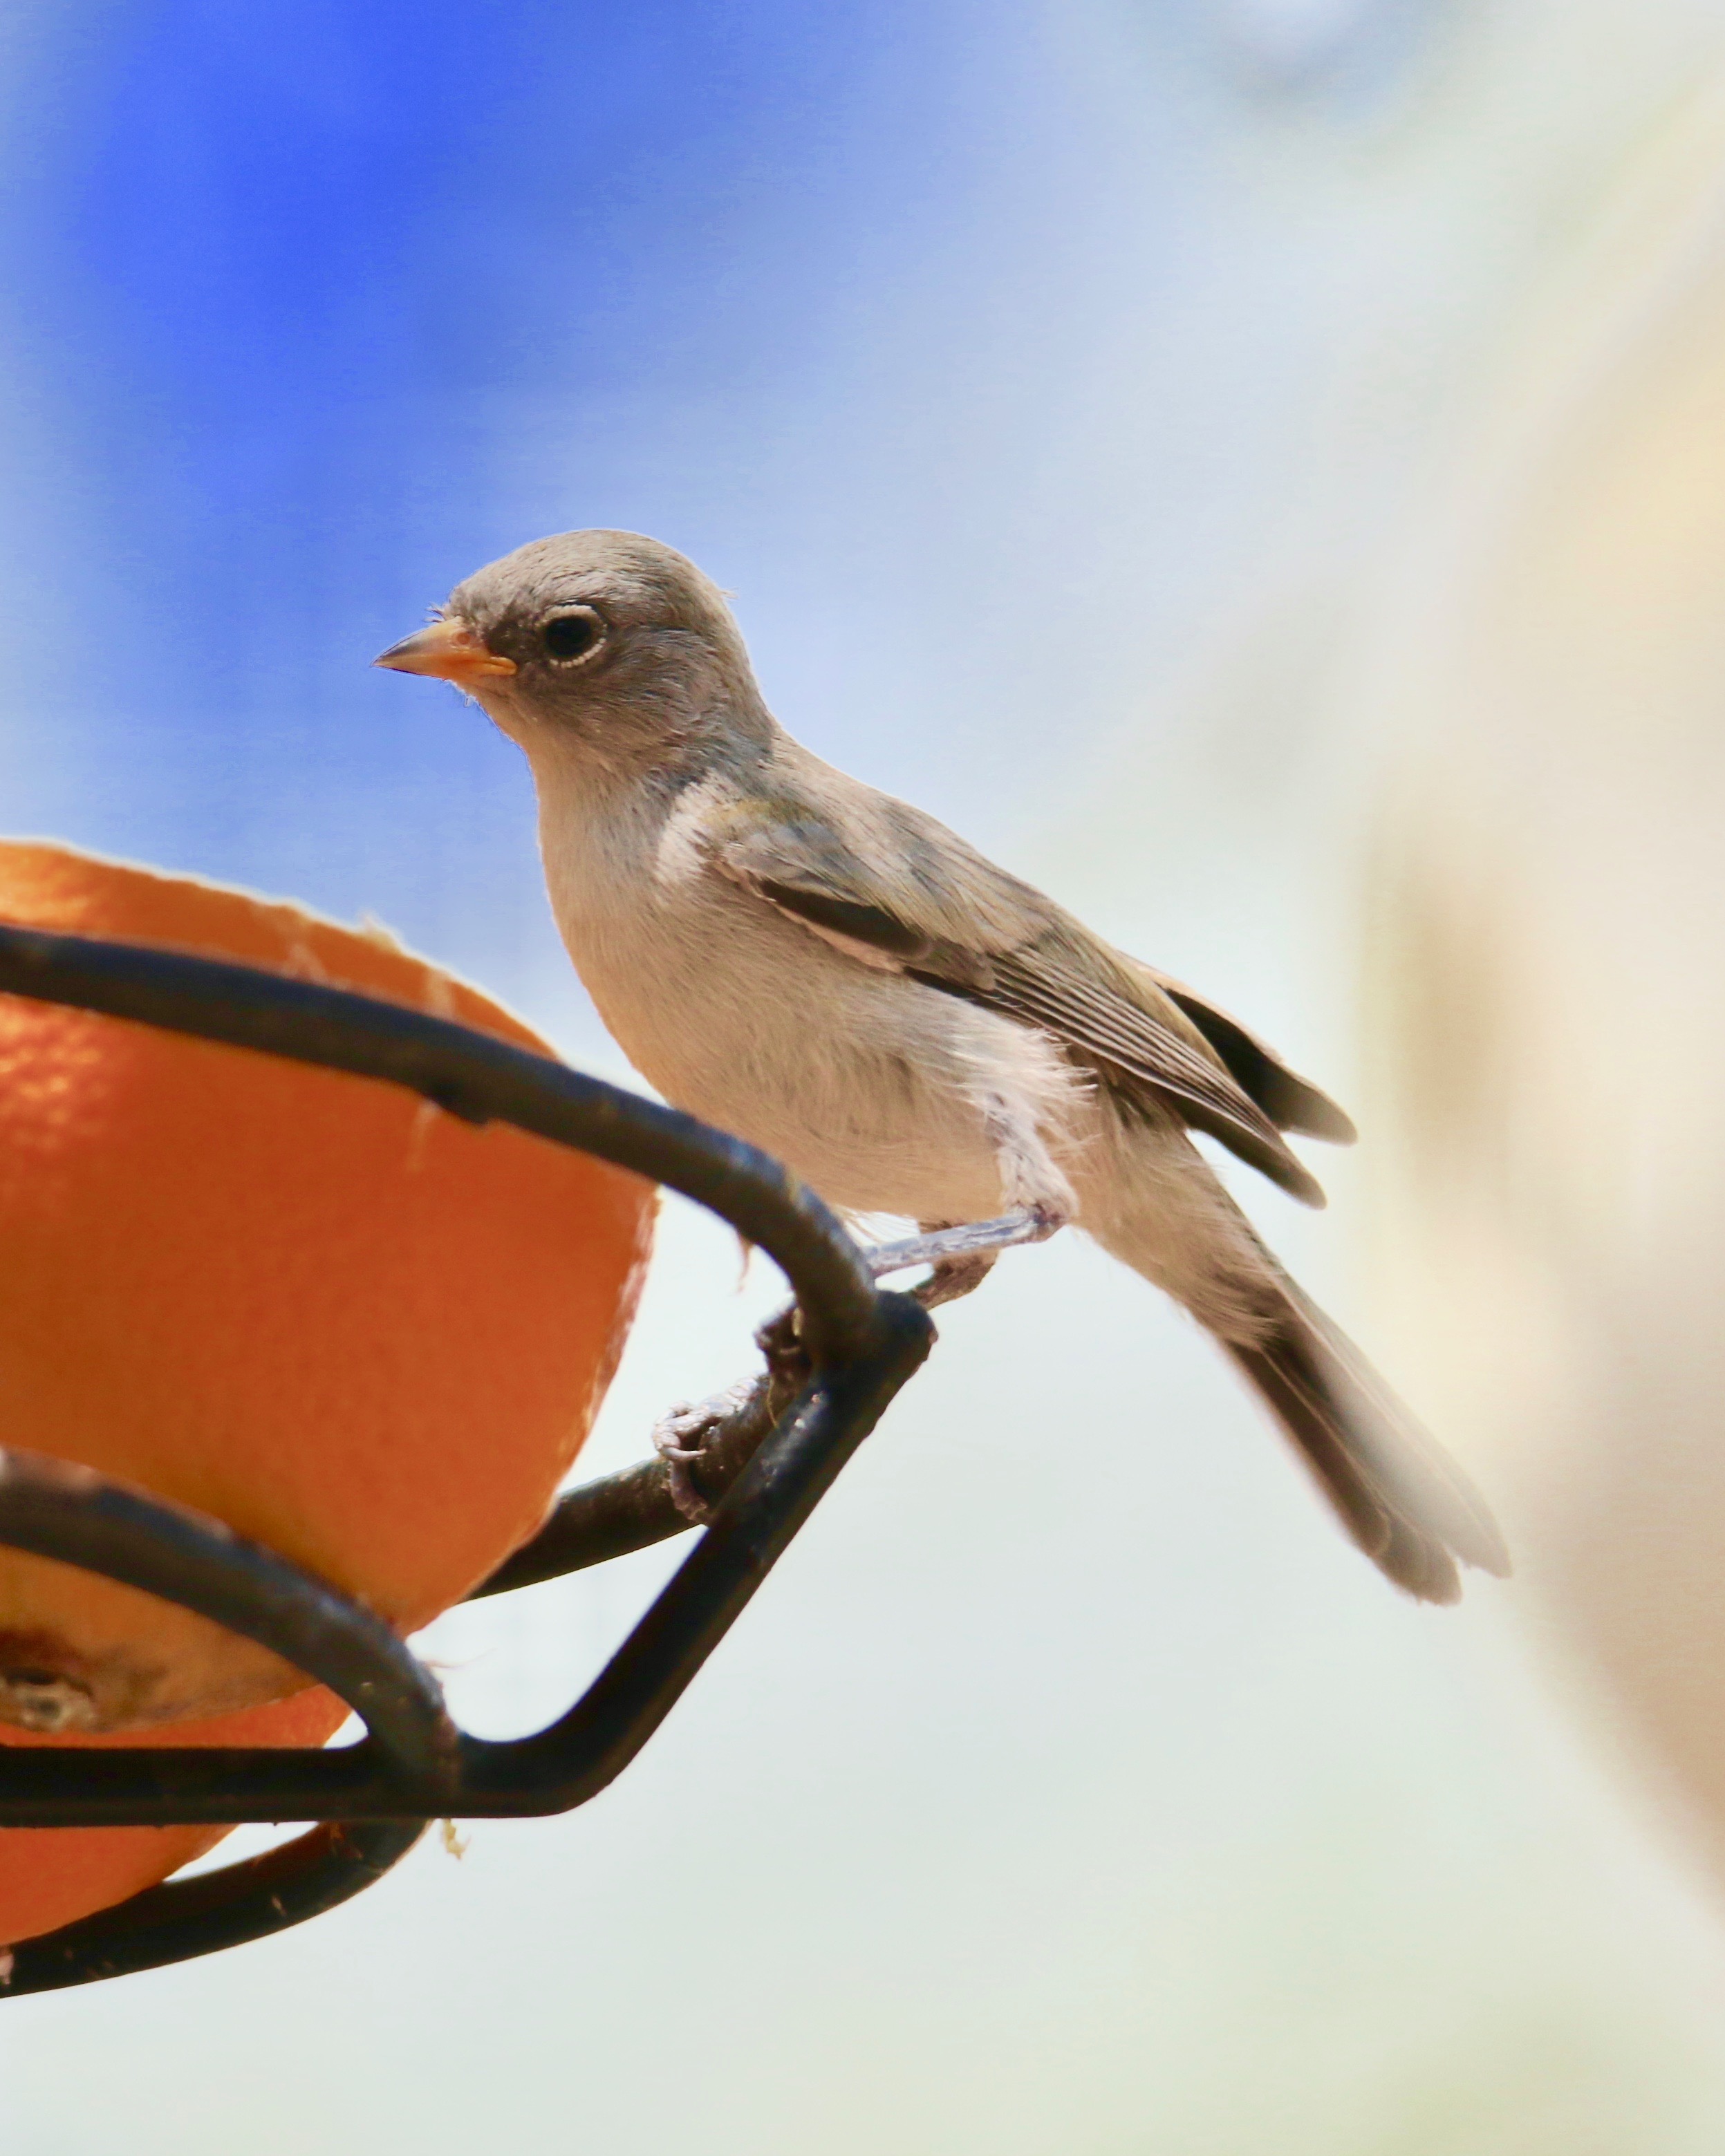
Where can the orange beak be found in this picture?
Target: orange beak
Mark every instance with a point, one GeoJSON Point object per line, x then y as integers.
{"type": "Point", "coordinates": [447, 651]}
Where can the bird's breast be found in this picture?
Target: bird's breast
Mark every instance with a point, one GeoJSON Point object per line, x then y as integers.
{"type": "Point", "coordinates": [857, 1079]}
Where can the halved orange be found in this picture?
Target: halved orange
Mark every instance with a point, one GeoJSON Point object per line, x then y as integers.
{"type": "Point", "coordinates": [348, 1325]}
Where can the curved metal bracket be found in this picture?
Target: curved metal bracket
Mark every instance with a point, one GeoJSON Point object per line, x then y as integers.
{"type": "Point", "coordinates": [856, 1347]}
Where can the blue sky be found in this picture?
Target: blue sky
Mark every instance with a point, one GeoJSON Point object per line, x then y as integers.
{"type": "Point", "coordinates": [314, 307]}
{"type": "Point", "coordinates": [311, 308]}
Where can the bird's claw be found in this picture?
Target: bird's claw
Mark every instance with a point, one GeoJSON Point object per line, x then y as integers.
{"type": "Point", "coordinates": [682, 1437]}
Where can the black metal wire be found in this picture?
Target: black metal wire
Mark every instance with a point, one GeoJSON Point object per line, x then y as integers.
{"type": "Point", "coordinates": [54, 1509]}
{"type": "Point", "coordinates": [373, 1797]}
{"type": "Point", "coordinates": [122, 1534]}
{"type": "Point", "coordinates": [213, 1910]}
{"type": "Point", "coordinates": [623, 1512]}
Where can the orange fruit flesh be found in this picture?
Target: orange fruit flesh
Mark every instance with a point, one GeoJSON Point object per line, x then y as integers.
{"type": "Point", "coordinates": [345, 1323]}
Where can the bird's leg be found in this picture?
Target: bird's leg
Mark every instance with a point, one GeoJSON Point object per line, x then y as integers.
{"type": "Point", "coordinates": [955, 1272]}
{"type": "Point", "coordinates": [962, 1254]}
{"type": "Point", "coordinates": [962, 1257]}
{"type": "Point", "coordinates": [933, 1246]}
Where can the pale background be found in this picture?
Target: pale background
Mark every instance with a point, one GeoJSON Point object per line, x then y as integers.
{"type": "Point", "coordinates": [1257, 466]}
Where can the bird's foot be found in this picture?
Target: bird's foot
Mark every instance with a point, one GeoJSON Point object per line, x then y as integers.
{"type": "Point", "coordinates": [962, 1256]}
{"type": "Point", "coordinates": [683, 1435]}
{"type": "Point", "coordinates": [715, 1439]}
{"type": "Point", "coordinates": [952, 1277]}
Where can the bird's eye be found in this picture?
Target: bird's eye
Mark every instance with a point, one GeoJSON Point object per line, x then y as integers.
{"type": "Point", "coordinates": [576, 633]}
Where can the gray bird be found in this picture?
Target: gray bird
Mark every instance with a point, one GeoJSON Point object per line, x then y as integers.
{"type": "Point", "coordinates": [837, 978]}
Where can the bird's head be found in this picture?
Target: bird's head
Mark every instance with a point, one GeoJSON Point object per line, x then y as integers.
{"type": "Point", "coordinates": [604, 646]}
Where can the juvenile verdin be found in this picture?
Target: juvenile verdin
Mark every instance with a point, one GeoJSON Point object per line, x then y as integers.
{"type": "Point", "coordinates": [839, 979]}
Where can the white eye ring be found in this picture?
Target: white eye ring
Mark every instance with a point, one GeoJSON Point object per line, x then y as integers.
{"type": "Point", "coordinates": [572, 635]}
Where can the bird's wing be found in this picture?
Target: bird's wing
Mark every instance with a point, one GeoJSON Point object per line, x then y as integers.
{"type": "Point", "coordinates": [1291, 1102]}
{"type": "Point", "coordinates": [1084, 995]}
{"type": "Point", "coordinates": [948, 917]}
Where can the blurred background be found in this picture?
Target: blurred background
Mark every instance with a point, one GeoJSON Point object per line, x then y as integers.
{"type": "Point", "coordinates": [1257, 466]}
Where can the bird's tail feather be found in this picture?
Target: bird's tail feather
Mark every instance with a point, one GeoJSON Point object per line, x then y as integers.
{"type": "Point", "coordinates": [1399, 1495]}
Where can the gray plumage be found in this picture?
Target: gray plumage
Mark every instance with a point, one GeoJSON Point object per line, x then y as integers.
{"type": "Point", "coordinates": [836, 976]}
